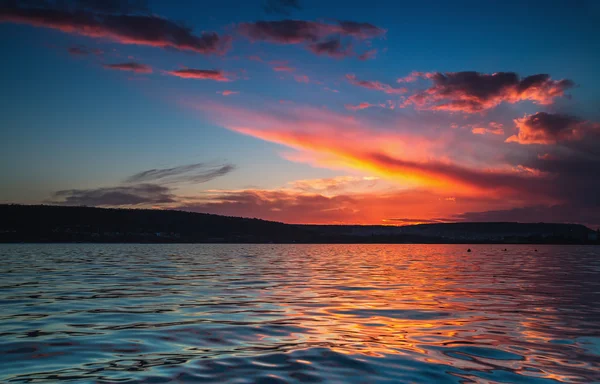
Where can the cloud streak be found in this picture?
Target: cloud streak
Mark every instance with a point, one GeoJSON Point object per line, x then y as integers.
{"type": "Point", "coordinates": [129, 66]}
{"type": "Point", "coordinates": [143, 194]}
{"type": "Point", "coordinates": [149, 30]}
{"type": "Point", "coordinates": [375, 85]}
{"type": "Point", "coordinates": [199, 74]}
{"type": "Point", "coordinates": [190, 173]}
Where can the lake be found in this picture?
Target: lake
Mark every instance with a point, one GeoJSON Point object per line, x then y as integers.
{"type": "Point", "coordinates": [129, 313]}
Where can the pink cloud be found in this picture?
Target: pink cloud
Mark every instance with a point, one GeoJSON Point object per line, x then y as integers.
{"type": "Point", "coordinates": [360, 106]}
{"type": "Point", "coordinates": [228, 93]}
{"type": "Point", "coordinates": [302, 78]}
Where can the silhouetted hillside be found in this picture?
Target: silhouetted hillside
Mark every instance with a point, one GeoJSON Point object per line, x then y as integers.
{"type": "Point", "coordinates": [43, 223]}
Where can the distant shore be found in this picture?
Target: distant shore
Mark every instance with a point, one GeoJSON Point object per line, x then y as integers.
{"type": "Point", "coordinates": [63, 224]}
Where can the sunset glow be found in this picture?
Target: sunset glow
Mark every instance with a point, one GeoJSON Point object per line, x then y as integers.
{"type": "Point", "coordinates": [302, 114]}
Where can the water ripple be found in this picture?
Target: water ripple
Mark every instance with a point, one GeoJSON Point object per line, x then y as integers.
{"type": "Point", "coordinates": [299, 314]}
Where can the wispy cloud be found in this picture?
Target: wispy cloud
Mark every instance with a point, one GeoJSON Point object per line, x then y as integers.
{"type": "Point", "coordinates": [493, 128]}
{"type": "Point", "coordinates": [360, 106]}
{"type": "Point", "coordinates": [199, 74]}
{"type": "Point", "coordinates": [375, 85]}
{"type": "Point", "coordinates": [228, 93]}
{"type": "Point", "coordinates": [190, 173]}
{"type": "Point", "coordinates": [129, 66]}
{"type": "Point", "coordinates": [80, 50]}
{"type": "Point", "coordinates": [143, 194]}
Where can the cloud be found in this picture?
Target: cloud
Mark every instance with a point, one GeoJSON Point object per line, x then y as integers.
{"type": "Point", "coordinates": [493, 128]}
{"type": "Point", "coordinates": [83, 51]}
{"type": "Point", "coordinates": [360, 106]}
{"type": "Point", "coordinates": [283, 7]}
{"type": "Point", "coordinates": [332, 140]}
{"type": "Point", "coordinates": [130, 66]}
{"type": "Point", "coordinates": [327, 206]}
{"type": "Point", "coordinates": [375, 85]}
{"type": "Point", "coordinates": [370, 54]}
{"type": "Point", "coordinates": [142, 194]}
{"type": "Point", "coordinates": [331, 47]}
{"type": "Point", "coordinates": [190, 173]}
{"type": "Point", "coordinates": [149, 30]}
{"type": "Point", "coordinates": [550, 128]}
{"type": "Point", "coordinates": [302, 78]}
{"type": "Point", "coordinates": [228, 93]}
{"type": "Point", "coordinates": [283, 68]}
{"type": "Point", "coordinates": [199, 74]}
{"type": "Point", "coordinates": [472, 92]}
{"type": "Point", "coordinates": [414, 76]}
{"type": "Point", "coordinates": [319, 37]}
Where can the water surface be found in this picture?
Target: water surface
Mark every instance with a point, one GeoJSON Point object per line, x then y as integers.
{"type": "Point", "coordinates": [299, 313]}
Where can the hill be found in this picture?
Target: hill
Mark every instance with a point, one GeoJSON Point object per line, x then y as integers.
{"type": "Point", "coordinates": [44, 223]}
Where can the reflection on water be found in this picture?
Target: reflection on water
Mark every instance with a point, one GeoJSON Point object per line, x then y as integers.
{"type": "Point", "coordinates": [299, 313]}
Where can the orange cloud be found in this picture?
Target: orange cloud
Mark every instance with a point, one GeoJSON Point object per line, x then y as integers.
{"type": "Point", "coordinates": [493, 128]}
{"type": "Point", "coordinates": [550, 128]}
{"type": "Point", "coordinates": [199, 74]}
{"type": "Point", "coordinates": [300, 205]}
{"type": "Point", "coordinates": [333, 140]}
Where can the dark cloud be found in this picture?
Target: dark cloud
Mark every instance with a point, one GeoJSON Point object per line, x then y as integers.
{"type": "Point", "coordinates": [332, 47]}
{"type": "Point", "coordinates": [282, 7]}
{"type": "Point", "coordinates": [130, 66]}
{"type": "Point", "coordinates": [192, 173]}
{"type": "Point", "coordinates": [319, 37]}
{"type": "Point", "coordinates": [550, 128]}
{"type": "Point", "coordinates": [375, 85]}
{"type": "Point", "coordinates": [137, 29]}
{"type": "Point", "coordinates": [472, 92]}
{"type": "Point", "coordinates": [199, 74]}
{"type": "Point", "coordinates": [146, 194]}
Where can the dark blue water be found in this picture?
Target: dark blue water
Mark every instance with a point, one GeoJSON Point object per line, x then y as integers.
{"type": "Point", "coordinates": [299, 314]}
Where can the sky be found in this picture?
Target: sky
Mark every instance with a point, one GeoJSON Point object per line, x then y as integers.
{"type": "Point", "coordinates": [305, 111]}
